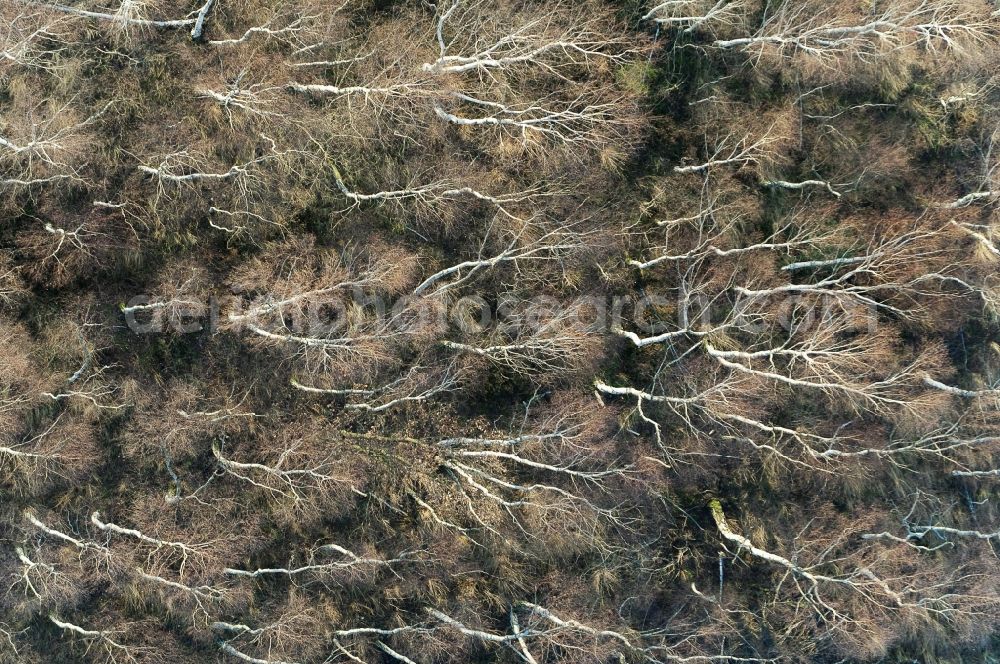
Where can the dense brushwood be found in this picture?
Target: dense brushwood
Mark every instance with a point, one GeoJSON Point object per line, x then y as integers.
{"type": "Point", "coordinates": [499, 330]}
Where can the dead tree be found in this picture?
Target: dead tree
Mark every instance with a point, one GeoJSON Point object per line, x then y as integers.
{"type": "Point", "coordinates": [249, 202]}
{"type": "Point", "coordinates": [694, 16]}
{"type": "Point", "coordinates": [297, 474]}
{"type": "Point", "coordinates": [317, 308]}
{"type": "Point", "coordinates": [180, 305]}
{"type": "Point", "coordinates": [418, 384]}
{"type": "Point", "coordinates": [845, 596]}
{"type": "Point", "coordinates": [12, 286]}
{"type": "Point", "coordinates": [734, 149]}
{"type": "Point", "coordinates": [46, 145]}
{"type": "Point", "coordinates": [474, 39]}
{"type": "Point", "coordinates": [131, 15]}
{"type": "Point", "coordinates": [537, 339]}
{"type": "Point", "coordinates": [441, 193]}
{"type": "Point", "coordinates": [495, 45]}
{"type": "Point", "coordinates": [832, 39]}
{"type": "Point", "coordinates": [30, 39]}
{"type": "Point", "coordinates": [517, 248]}
{"type": "Point", "coordinates": [330, 561]}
